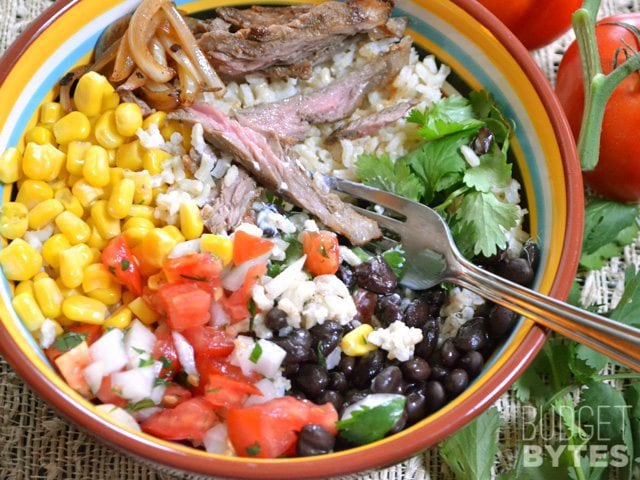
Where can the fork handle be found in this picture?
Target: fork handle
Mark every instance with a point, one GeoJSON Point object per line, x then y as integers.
{"type": "Point", "coordinates": [616, 340]}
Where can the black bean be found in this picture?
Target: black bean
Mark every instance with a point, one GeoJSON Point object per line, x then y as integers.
{"type": "Point", "coordinates": [365, 304]}
{"type": "Point", "coordinates": [290, 368]}
{"type": "Point", "coordinates": [500, 320]}
{"type": "Point", "coordinates": [312, 379]}
{"type": "Point", "coordinates": [472, 335]}
{"type": "Point", "coordinates": [347, 365]}
{"type": "Point", "coordinates": [417, 313]}
{"type": "Point", "coordinates": [346, 275]}
{"type": "Point", "coordinates": [400, 423]}
{"type": "Point", "coordinates": [472, 362]}
{"type": "Point", "coordinates": [415, 370]}
{"type": "Point", "coordinates": [388, 380]}
{"type": "Point", "coordinates": [353, 396]}
{"type": "Point", "coordinates": [276, 319]}
{"type": "Point", "coordinates": [449, 354]}
{"type": "Point", "coordinates": [330, 396]}
{"type": "Point", "coordinates": [314, 440]}
{"type": "Point", "coordinates": [326, 337]}
{"type": "Point", "coordinates": [518, 270]}
{"type": "Point", "coordinates": [367, 368]}
{"type": "Point", "coordinates": [430, 333]}
{"type": "Point", "coordinates": [482, 142]}
{"type": "Point", "coordinates": [297, 345]}
{"type": "Point", "coordinates": [338, 381]}
{"type": "Point", "coordinates": [416, 406]}
{"type": "Point", "coordinates": [389, 309]}
{"type": "Point", "coordinates": [436, 298]}
{"type": "Point", "coordinates": [438, 372]}
{"type": "Point", "coordinates": [456, 381]}
{"type": "Point", "coordinates": [376, 275]}
{"type": "Point", "coordinates": [434, 396]}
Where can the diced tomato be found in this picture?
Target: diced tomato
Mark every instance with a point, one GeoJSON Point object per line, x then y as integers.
{"type": "Point", "coordinates": [270, 430]}
{"type": "Point", "coordinates": [165, 352]}
{"type": "Point", "coordinates": [71, 364]}
{"type": "Point", "coordinates": [209, 366]}
{"type": "Point", "coordinates": [209, 341]}
{"type": "Point", "coordinates": [106, 394]}
{"type": "Point", "coordinates": [223, 391]}
{"type": "Point", "coordinates": [190, 420]}
{"type": "Point", "coordinates": [174, 395]}
{"type": "Point", "coordinates": [247, 247]}
{"type": "Point", "coordinates": [237, 304]}
{"type": "Point", "coordinates": [117, 257]}
{"type": "Point", "coordinates": [90, 332]}
{"type": "Point", "coordinates": [184, 304]}
{"type": "Point", "coordinates": [323, 252]}
{"type": "Point", "coordinates": [196, 267]}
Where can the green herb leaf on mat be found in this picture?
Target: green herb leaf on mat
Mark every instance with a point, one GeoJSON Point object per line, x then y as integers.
{"type": "Point", "coordinates": [471, 451]}
{"type": "Point", "coordinates": [628, 308]}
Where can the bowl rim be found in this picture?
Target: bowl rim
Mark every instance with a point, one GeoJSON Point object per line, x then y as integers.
{"type": "Point", "coordinates": [146, 450]}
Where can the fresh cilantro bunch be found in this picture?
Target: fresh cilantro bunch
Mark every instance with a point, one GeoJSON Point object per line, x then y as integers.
{"type": "Point", "coordinates": [437, 174]}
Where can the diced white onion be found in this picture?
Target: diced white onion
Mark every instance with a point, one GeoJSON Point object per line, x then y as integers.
{"type": "Point", "coordinates": [93, 374]}
{"type": "Point", "coordinates": [216, 439]}
{"type": "Point", "coordinates": [285, 279]}
{"type": "Point", "coordinates": [267, 363]}
{"type": "Point", "coordinates": [185, 353]}
{"type": "Point", "coordinates": [234, 278]}
{"type": "Point", "coordinates": [219, 317]}
{"type": "Point", "coordinates": [185, 248]}
{"type": "Point", "coordinates": [135, 384]}
{"type": "Point", "coordinates": [109, 349]}
{"type": "Point", "coordinates": [119, 415]}
{"type": "Point", "coordinates": [139, 342]}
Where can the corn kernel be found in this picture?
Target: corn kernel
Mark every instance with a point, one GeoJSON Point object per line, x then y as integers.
{"type": "Point", "coordinates": [44, 213]}
{"type": "Point", "coordinates": [121, 318]}
{"type": "Point", "coordinates": [153, 160]}
{"type": "Point", "coordinates": [19, 260]}
{"type": "Point", "coordinates": [135, 229]}
{"type": "Point", "coordinates": [48, 296]}
{"type": "Point", "coordinates": [95, 276]}
{"type": "Point", "coordinates": [128, 119]}
{"type": "Point", "coordinates": [59, 183]}
{"type": "Point", "coordinates": [69, 202]}
{"type": "Point", "coordinates": [10, 165]}
{"type": "Point", "coordinates": [96, 255]}
{"type": "Point", "coordinates": [174, 232]}
{"type": "Point", "coordinates": [73, 261]}
{"type": "Point", "coordinates": [108, 296]}
{"type": "Point", "coordinates": [39, 276]}
{"type": "Point", "coordinates": [191, 223]}
{"type": "Point", "coordinates": [32, 192]}
{"type": "Point", "coordinates": [143, 311]}
{"type": "Point", "coordinates": [143, 211]}
{"type": "Point", "coordinates": [24, 286]}
{"type": "Point", "coordinates": [106, 131]}
{"type": "Point", "coordinates": [96, 166]}
{"type": "Point", "coordinates": [107, 226]}
{"type": "Point", "coordinates": [74, 228]}
{"type": "Point", "coordinates": [86, 193]}
{"type": "Point", "coordinates": [84, 309]}
{"type": "Point", "coordinates": [218, 245]}
{"type": "Point", "coordinates": [129, 156]}
{"type": "Point", "coordinates": [121, 198]}
{"type": "Point", "coordinates": [355, 342]}
{"type": "Point", "coordinates": [143, 193]}
{"type": "Point", "coordinates": [73, 126]}
{"type": "Point", "coordinates": [66, 291]}
{"type": "Point", "coordinates": [158, 119]}
{"type": "Point", "coordinates": [42, 162]}
{"type": "Point", "coordinates": [27, 309]}
{"type": "Point", "coordinates": [156, 246]}
{"type": "Point", "coordinates": [155, 281]}
{"type": "Point", "coordinates": [76, 152]}
{"type": "Point", "coordinates": [39, 135]}
{"type": "Point", "coordinates": [52, 247]}
{"type": "Point", "coordinates": [95, 240]}
{"type": "Point", "coordinates": [110, 98]}
{"type": "Point", "coordinates": [14, 220]}
{"type": "Point", "coordinates": [89, 93]}
{"type": "Point", "coordinates": [50, 112]}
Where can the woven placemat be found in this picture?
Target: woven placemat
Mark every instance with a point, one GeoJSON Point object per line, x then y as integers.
{"type": "Point", "coordinates": [36, 444]}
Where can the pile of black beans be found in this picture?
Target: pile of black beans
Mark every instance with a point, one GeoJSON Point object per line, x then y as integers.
{"type": "Point", "coordinates": [431, 378]}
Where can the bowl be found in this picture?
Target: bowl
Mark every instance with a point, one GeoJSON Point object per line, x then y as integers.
{"type": "Point", "coordinates": [482, 53]}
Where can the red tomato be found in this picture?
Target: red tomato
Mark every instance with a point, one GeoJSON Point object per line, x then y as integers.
{"type": "Point", "coordinates": [184, 304]}
{"type": "Point", "coordinates": [617, 174]}
{"type": "Point", "coordinates": [536, 23]}
{"type": "Point", "coordinates": [209, 342]}
{"type": "Point", "coordinates": [197, 267]}
{"type": "Point", "coordinates": [106, 394]}
{"type": "Point", "coordinates": [246, 247]}
{"type": "Point", "coordinates": [270, 430]}
{"type": "Point", "coordinates": [190, 420]}
{"type": "Point", "coordinates": [322, 250]}
{"type": "Point", "coordinates": [223, 391]}
{"type": "Point", "coordinates": [174, 395]}
{"type": "Point", "coordinates": [165, 352]}
{"type": "Point", "coordinates": [237, 304]}
{"type": "Point", "coordinates": [210, 366]}
{"type": "Point", "coordinates": [117, 257]}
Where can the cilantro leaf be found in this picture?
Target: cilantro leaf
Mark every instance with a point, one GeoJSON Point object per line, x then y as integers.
{"type": "Point", "coordinates": [68, 340]}
{"type": "Point", "coordinates": [368, 424]}
{"type": "Point", "coordinates": [471, 451]}
{"type": "Point", "coordinates": [486, 109]}
{"type": "Point", "coordinates": [628, 308]}
{"type": "Point", "coordinates": [439, 164]}
{"type": "Point", "coordinates": [141, 405]}
{"type": "Point", "coordinates": [479, 223]}
{"type": "Point", "coordinates": [450, 115]}
{"type": "Point", "coordinates": [256, 353]}
{"type": "Point", "coordinates": [395, 177]}
{"type": "Point", "coordinates": [493, 171]}
{"type": "Point", "coordinates": [395, 258]}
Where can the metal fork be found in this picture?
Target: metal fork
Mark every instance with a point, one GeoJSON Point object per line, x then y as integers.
{"type": "Point", "coordinates": [432, 257]}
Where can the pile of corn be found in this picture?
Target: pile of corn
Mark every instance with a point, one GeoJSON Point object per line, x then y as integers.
{"type": "Point", "coordinates": [82, 179]}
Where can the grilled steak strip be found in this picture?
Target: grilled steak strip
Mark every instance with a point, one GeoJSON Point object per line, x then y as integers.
{"type": "Point", "coordinates": [258, 16]}
{"type": "Point", "coordinates": [296, 39]}
{"type": "Point", "coordinates": [289, 119]}
{"type": "Point", "coordinates": [279, 173]}
{"type": "Point", "coordinates": [371, 124]}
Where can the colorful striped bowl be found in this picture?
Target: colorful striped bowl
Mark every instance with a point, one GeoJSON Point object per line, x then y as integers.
{"type": "Point", "coordinates": [482, 54]}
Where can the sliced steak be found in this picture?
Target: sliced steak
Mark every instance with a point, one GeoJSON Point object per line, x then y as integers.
{"type": "Point", "coordinates": [288, 39]}
{"type": "Point", "coordinates": [233, 204]}
{"type": "Point", "coordinates": [289, 119]}
{"type": "Point", "coordinates": [258, 16]}
{"type": "Point", "coordinates": [277, 172]}
{"type": "Point", "coordinates": [371, 124]}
